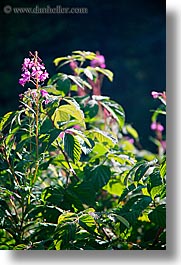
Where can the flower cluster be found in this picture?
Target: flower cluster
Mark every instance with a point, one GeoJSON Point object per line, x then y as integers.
{"type": "Point", "coordinates": [156, 126]}
{"type": "Point", "coordinates": [99, 61]}
{"type": "Point", "coordinates": [33, 70]}
{"type": "Point", "coordinates": [158, 94]}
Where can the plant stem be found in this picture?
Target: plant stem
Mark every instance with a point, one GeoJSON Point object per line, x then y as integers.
{"type": "Point", "coordinates": [36, 123]}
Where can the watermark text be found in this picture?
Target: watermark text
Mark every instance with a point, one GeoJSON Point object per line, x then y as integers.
{"type": "Point", "coordinates": [45, 10]}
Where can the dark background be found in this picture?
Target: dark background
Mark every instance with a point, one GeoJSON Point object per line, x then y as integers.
{"type": "Point", "coordinates": [129, 33]}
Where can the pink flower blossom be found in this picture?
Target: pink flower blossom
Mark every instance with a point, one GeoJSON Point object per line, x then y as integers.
{"type": "Point", "coordinates": [98, 61]}
{"type": "Point", "coordinates": [73, 65]}
{"type": "Point", "coordinates": [44, 93]}
{"type": "Point", "coordinates": [33, 70]}
{"type": "Point", "coordinates": [155, 126]}
{"type": "Point", "coordinates": [159, 94]}
{"type": "Point", "coordinates": [155, 94]}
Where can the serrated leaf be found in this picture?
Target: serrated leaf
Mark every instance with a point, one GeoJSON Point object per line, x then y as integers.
{"type": "Point", "coordinates": [98, 176]}
{"type": "Point", "coordinates": [66, 217]}
{"type": "Point", "coordinates": [59, 116]}
{"type": "Point", "coordinates": [134, 207]}
{"type": "Point", "coordinates": [72, 147]}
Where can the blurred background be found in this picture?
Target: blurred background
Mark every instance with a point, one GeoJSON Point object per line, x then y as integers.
{"type": "Point", "coordinates": [131, 34]}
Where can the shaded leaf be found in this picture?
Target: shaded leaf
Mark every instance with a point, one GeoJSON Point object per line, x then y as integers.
{"type": "Point", "coordinates": [158, 216]}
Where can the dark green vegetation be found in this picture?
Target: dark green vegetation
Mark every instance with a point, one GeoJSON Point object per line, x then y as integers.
{"type": "Point", "coordinates": [72, 172]}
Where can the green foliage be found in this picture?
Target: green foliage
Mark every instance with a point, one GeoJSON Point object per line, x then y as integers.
{"type": "Point", "coordinates": [69, 177]}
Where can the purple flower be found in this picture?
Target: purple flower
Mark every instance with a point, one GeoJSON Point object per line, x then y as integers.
{"type": "Point", "coordinates": [44, 93]}
{"type": "Point", "coordinates": [99, 61]}
{"type": "Point", "coordinates": [33, 71]}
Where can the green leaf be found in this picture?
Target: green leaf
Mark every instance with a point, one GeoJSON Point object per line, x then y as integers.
{"type": "Point", "coordinates": [59, 116]}
{"type": "Point", "coordinates": [105, 72]}
{"type": "Point", "coordinates": [81, 135]}
{"type": "Point", "coordinates": [58, 60]}
{"type": "Point", "coordinates": [154, 180]}
{"type": "Point", "coordinates": [121, 158]}
{"type": "Point", "coordinates": [98, 176]}
{"type": "Point", "coordinates": [88, 73]}
{"type": "Point", "coordinates": [6, 119]}
{"type": "Point", "coordinates": [140, 171]}
{"type": "Point", "coordinates": [114, 186]}
{"type": "Point", "coordinates": [64, 112]}
{"type": "Point", "coordinates": [64, 235]}
{"type": "Point", "coordinates": [158, 215]}
{"type": "Point", "coordinates": [163, 168]}
{"type": "Point", "coordinates": [158, 191]}
{"type": "Point", "coordinates": [87, 222]}
{"type": "Point", "coordinates": [66, 217]}
{"type": "Point", "coordinates": [134, 208]}
{"type": "Point", "coordinates": [72, 147]}
{"type": "Point", "coordinates": [121, 219]}
{"type": "Point", "coordinates": [91, 108]}
{"type": "Point", "coordinates": [102, 137]}
{"type": "Point", "coordinates": [132, 131]}
{"type": "Point", "coordinates": [115, 110]}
